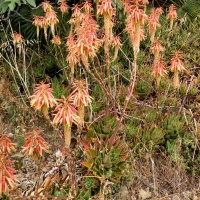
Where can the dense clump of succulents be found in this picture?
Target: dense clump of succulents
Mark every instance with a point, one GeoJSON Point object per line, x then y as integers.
{"type": "Point", "coordinates": [106, 159]}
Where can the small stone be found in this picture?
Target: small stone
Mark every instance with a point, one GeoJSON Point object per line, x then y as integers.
{"type": "Point", "coordinates": [17, 156]}
{"type": "Point", "coordinates": [175, 198]}
{"type": "Point", "coordinates": [144, 194]}
{"type": "Point", "coordinates": [124, 192]}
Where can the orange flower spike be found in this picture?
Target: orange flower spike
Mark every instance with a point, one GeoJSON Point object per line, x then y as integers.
{"type": "Point", "coordinates": [172, 15]}
{"type": "Point", "coordinates": [87, 7]}
{"type": "Point", "coordinates": [77, 16]}
{"type": "Point", "coordinates": [66, 115]}
{"type": "Point", "coordinates": [43, 98]}
{"type": "Point", "coordinates": [6, 145]}
{"type": "Point", "coordinates": [46, 6]}
{"type": "Point", "coordinates": [87, 42]}
{"type": "Point", "coordinates": [81, 98]}
{"type": "Point", "coordinates": [7, 177]}
{"type": "Point", "coordinates": [17, 39]}
{"type": "Point", "coordinates": [135, 20]}
{"type": "Point", "coordinates": [153, 21]}
{"type": "Point", "coordinates": [56, 40]}
{"type": "Point", "coordinates": [176, 66]}
{"type": "Point", "coordinates": [63, 7]}
{"type": "Point", "coordinates": [159, 69]}
{"type": "Point", "coordinates": [156, 48]}
{"type": "Point", "coordinates": [45, 25]}
{"type": "Point", "coordinates": [71, 58]}
{"type": "Point", "coordinates": [116, 43]}
{"type": "Point", "coordinates": [35, 144]}
{"type": "Point", "coordinates": [105, 8]}
{"type": "Point", "coordinates": [52, 19]}
{"type": "Point", "coordinates": [37, 21]}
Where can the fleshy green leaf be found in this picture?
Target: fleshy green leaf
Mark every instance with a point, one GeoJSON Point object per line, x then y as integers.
{"type": "Point", "coordinates": [4, 7]}
{"type": "Point", "coordinates": [31, 2]}
{"type": "Point", "coordinates": [11, 6]}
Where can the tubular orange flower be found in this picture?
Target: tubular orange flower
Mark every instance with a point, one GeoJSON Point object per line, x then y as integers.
{"type": "Point", "coordinates": [153, 21]}
{"type": "Point", "coordinates": [156, 48]}
{"type": "Point", "coordinates": [66, 114]}
{"type": "Point", "coordinates": [159, 69]}
{"type": "Point", "coordinates": [7, 178]}
{"type": "Point", "coordinates": [45, 24]}
{"type": "Point", "coordinates": [43, 98]}
{"type": "Point", "coordinates": [56, 40]}
{"type": "Point", "coordinates": [72, 57]}
{"type": "Point", "coordinates": [176, 65]}
{"type": "Point", "coordinates": [87, 7]}
{"type": "Point", "coordinates": [17, 39]}
{"type": "Point", "coordinates": [105, 8]}
{"type": "Point", "coordinates": [81, 98]}
{"type": "Point", "coordinates": [134, 21]}
{"type": "Point", "coordinates": [87, 42]}
{"type": "Point", "coordinates": [6, 145]}
{"type": "Point", "coordinates": [80, 93]}
{"type": "Point", "coordinates": [46, 6]}
{"type": "Point", "coordinates": [176, 61]}
{"type": "Point", "coordinates": [35, 144]}
{"type": "Point", "coordinates": [172, 15]}
{"type": "Point", "coordinates": [63, 7]}
{"type": "Point", "coordinates": [116, 43]}
{"type": "Point", "coordinates": [52, 19]}
{"type": "Point", "coordinates": [37, 21]}
{"type": "Point", "coordinates": [77, 17]}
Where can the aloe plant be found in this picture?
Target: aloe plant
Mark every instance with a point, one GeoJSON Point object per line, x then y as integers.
{"type": "Point", "coordinates": [106, 159]}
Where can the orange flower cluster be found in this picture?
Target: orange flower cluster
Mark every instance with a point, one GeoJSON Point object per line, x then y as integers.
{"type": "Point", "coordinates": [17, 39]}
{"type": "Point", "coordinates": [66, 113]}
{"type": "Point", "coordinates": [43, 98]}
{"type": "Point", "coordinates": [6, 145]}
{"type": "Point", "coordinates": [134, 23]}
{"type": "Point", "coordinates": [153, 21]}
{"type": "Point", "coordinates": [7, 177]}
{"type": "Point", "coordinates": [176, 66]}
{"type": "Point", "coordinates": [159, 67]}
{"type": "Point", "coordinates": [158, 64]}
{"type": "Point", "coordinates": [176, 63]}
{"type": "Point", "coordinates": [105, 8]}
{"type": "Point", "coordinates": [172, 15]}
{"type": "Point", "coordinates": [80, 93]}
{"type": "Point", "coordinates": [156, 48]}
{"type": "Point", "coordinates": [86, 43]}
{"type": "Point", "coordinates": [56, 40]}
{"type": "Point", "coordinates": [50, 19]}
{"type": "Point", "coordinates": [35, 144]}
{"type": "Point", "coordinates": [63, 7]}
{"type": "Point", "coordinates": [116, 43]}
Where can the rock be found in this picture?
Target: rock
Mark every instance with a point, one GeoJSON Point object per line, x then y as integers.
{"type": "Point", "coordinates": [17, 156]}
{"type": "Point", "coordinates": [124, 194]}
{"type": "Point", "coordinates": [175, 198]}
{"type": "Point", "coordinates": [144, 194]}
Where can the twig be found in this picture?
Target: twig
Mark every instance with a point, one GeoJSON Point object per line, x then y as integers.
{"type": "Point", "coordinates": [154, 179]}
